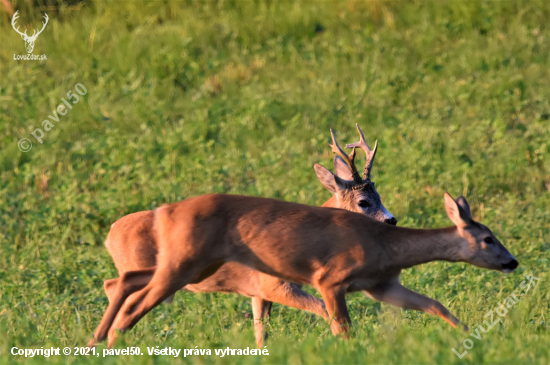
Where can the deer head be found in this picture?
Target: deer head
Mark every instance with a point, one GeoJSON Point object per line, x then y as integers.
{"type": "Point", "coordinates": [481, 247]}
{"type": "Point", "coordinates": [29, 41]}
{"type": "Point", "coordinates": [350, 190]}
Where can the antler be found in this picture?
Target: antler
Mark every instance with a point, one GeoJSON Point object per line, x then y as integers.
{"type": "Point", "coordinates": [349, 160]}
{"type": "Point", "coordinates": [34, 35]}
{"type": "Point", "coordinates": [15, 16]}
{"type": "Point", "coordinates": [365, 147]}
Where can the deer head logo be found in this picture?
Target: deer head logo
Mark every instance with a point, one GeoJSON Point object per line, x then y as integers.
{"type": "Point", "coordinates": [29, 41]}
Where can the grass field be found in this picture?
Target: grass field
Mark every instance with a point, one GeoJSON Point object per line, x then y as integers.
{"type": "Point", "coordinates": [187, 98]}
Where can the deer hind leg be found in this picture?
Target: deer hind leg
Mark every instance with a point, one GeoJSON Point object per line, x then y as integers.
{"type": "Point", "coordinates": [112, 335]}
{"type": "Point", "coordinates": [167, 279]}
{"type": "Point", "coordinates": [128, 283]}
{"type": "Point", "coordinates": [261, 309]}
{"type": "Point", "coordinates": [335, 302]}
{"type": "Point", "coordinates": [110, 288]}
{"type": "Point", "coordinates": [138, 285]}
{"type": "Point", "coordinates": [400, 296]}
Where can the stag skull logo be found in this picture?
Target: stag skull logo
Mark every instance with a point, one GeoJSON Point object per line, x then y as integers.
{"type": "Point", "coordinates": [29, 41]}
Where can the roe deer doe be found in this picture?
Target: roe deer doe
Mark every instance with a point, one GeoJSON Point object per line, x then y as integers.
{"type": "Point", "coordinates": [333, 250]}
{"type": "Point", "coordinates": [132, 242]}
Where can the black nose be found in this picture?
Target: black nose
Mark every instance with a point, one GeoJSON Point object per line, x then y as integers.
{"type": "Point", "coordinates": [391, 221]}
{"type": "Point", "coordinates": [511, 265]}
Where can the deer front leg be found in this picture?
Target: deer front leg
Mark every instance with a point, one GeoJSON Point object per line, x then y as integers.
{"type": "Point", "coordinates": [276, 290]}
{"type": "Point", "coordinates": [400, 296]}
{"type": "Point", "coordinates": [291, 295]}
{"type": "Point", "coordinates": [261, 309]}
{"type": "Point", "coordinates": [335, 302]}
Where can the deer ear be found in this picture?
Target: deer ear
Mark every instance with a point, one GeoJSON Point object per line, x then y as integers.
{"type": "Point", "coordinates": [342, 169]}
{"type": "Point", "coordinates": [461, 201]}
{"type": "Point", "coordinates": [456, 213]}
{"type": "Point", "coordinates": [330, 181]}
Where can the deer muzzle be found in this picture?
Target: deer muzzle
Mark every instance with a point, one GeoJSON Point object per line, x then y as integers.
{"type": "Point", "coordinates": [510, 266]}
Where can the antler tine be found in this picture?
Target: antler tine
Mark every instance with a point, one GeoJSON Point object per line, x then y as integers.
{"type": "Point", "coordinates": [349, 160]}
{"type": "Point", "coordinates": [365, 147]}
{"type": "Point", "coordinates": [15, 16]}
{"type": "Point", "coordinates": [43, 26]}
{"type": "Point", "coordinates": [45, 17]}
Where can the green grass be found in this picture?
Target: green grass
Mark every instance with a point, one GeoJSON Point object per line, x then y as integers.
{"type": "Point", "coordinates": [187, 98]}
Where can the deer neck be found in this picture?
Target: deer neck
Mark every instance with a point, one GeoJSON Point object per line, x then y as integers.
{"type": "Point", "coordinates": [413, 247]}
{"type": "Point", "coordinates": [331, 203]}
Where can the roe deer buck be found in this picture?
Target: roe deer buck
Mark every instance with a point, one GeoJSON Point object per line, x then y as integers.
{"type": "Point", "coordinates": [333, 250]}
{"type": "Point", "coordinates": [132, 242]}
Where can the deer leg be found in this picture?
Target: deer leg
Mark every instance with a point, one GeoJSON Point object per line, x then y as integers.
{"type": "Point", "coordinates": [112, 335]}
{"type": "Point", "coordinates": [167, 279]}
{"type": "Point", "coordinates": [276, 290]}
{"type": "Point", "coordinates": [127, 284]}
{"type": "Point", "coordinates": [292, 295]}
{"type": "Point", "coordinates": [110, 287]}
{"type": "Point", "coordinates": [400, 296]}
{"type": "Point", "coordinates": [261, 309]}
{"type": "Point", "coordinates": [335, 302]}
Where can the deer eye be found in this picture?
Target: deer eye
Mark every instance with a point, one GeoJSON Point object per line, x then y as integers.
{"type": "Point", "coordinates": [363, 204]}
{"type": "Point", "coordinates": [488, 240]}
